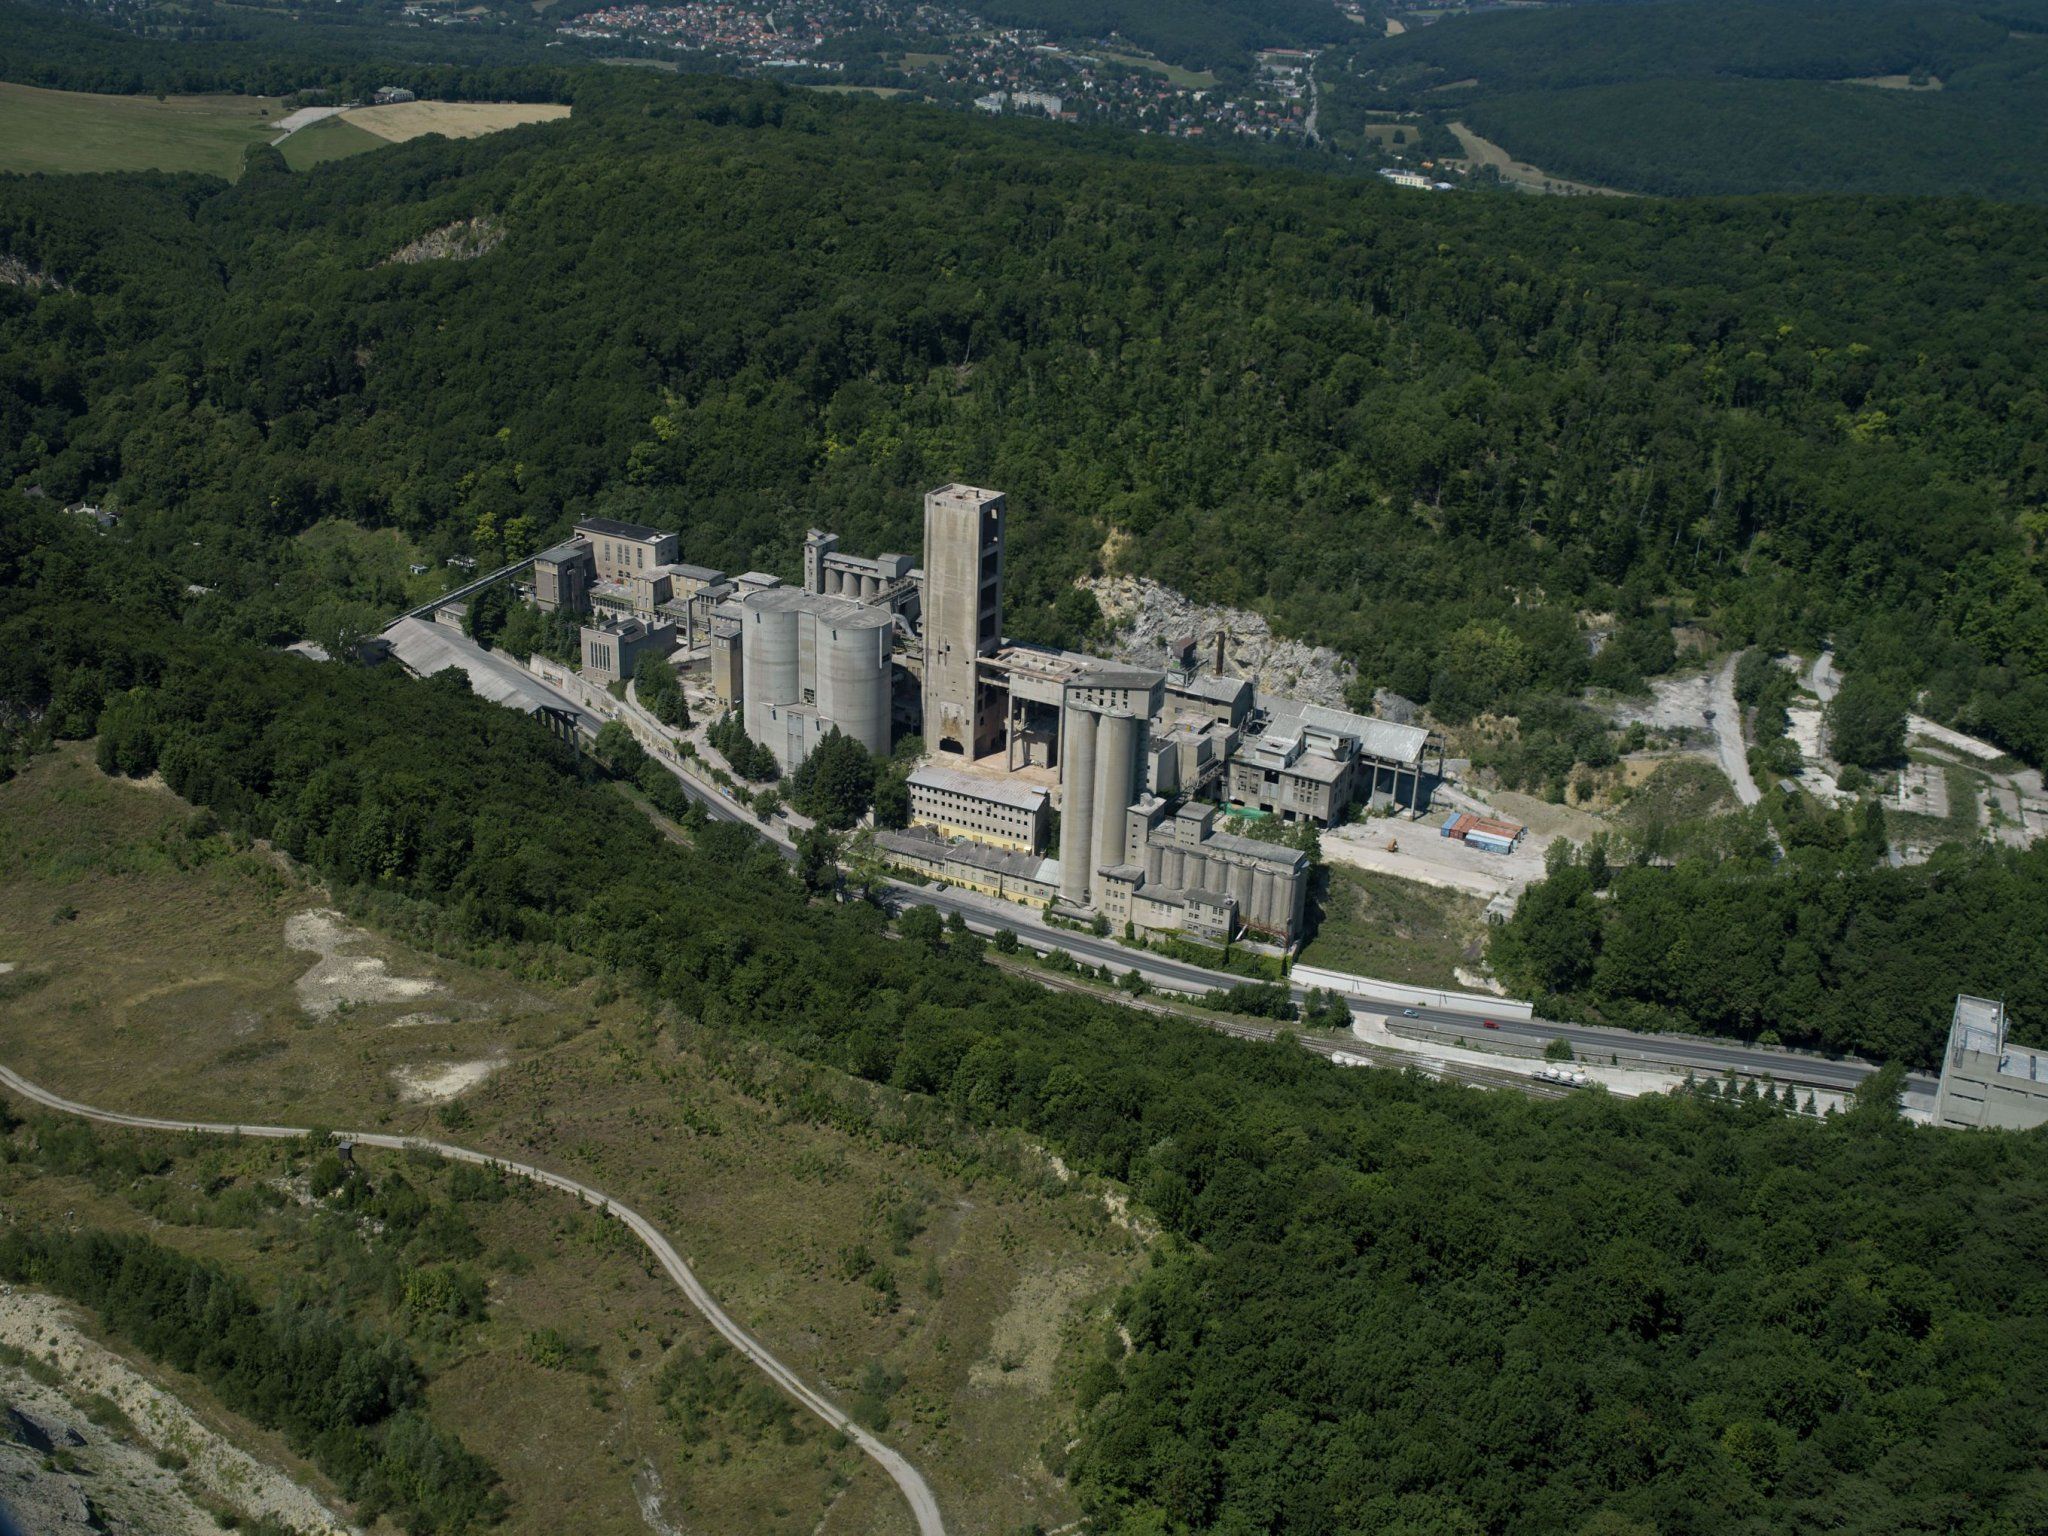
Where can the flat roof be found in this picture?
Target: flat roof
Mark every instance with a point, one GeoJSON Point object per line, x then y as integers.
{"type": "Point", "coordinates": [1107, 674]}
{"type": "Point", "coordinates": [618, 530]}
{"type": "Point", "coordinates": [702, 573]}
{"type": "Point", "coordinates": [1979, 1024]}
{"type": "Point", "coordinates": [1207, 685]}
{"type": "Point", "coordinates": [834, 610]}
{"type": "Point", "coordinates": [1001, 791]}
{"type": "Point", "coordinates": [567, 549]}
{"type": "Point", "coordinates": [1253, 848]}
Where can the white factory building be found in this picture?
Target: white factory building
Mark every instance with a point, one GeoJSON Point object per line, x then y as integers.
{"type": "Point", "coordinates": [1130, 762]}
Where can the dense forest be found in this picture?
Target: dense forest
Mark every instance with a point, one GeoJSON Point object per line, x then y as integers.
{"type": "Point", "coordinates": [1685, 98]}
{"type": "Point", "coordinates": [1824, 946]}
{"type": "Point", "coordinates": [146, 48]}
{"type": "Point", "coordinates": [1377, 1303]}
{"type": "Point", "coordinates": [1432, 432]}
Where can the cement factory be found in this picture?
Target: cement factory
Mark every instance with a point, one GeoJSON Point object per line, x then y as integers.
{"type": "Point", "coordinates": [1089, 787]}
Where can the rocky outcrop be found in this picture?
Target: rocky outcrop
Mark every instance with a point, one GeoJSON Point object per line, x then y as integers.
{"type": "Point", "coordinates": [464, 240]}
{"type": "Point", "coordinates": [1150, 619]}
{"type": "Point", "coordinates": [17, 273]}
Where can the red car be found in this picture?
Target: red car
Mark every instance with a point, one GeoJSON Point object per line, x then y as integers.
{"type": "Point", "coordinates": [1489, 1024]}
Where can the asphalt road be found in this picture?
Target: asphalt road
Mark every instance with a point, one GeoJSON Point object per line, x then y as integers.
{"type": "Point", "coordinates": [1695, 1053]}
{"type": "Point", "coordinates": [906, 1477]}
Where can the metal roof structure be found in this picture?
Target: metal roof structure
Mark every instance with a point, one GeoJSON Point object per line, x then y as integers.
{"type": "Point", "coordinates": [425, 648]}
{"type": "Point", "coordinates": [1381, 739]}
{"type": "Point", "coordinates": [923, 842]}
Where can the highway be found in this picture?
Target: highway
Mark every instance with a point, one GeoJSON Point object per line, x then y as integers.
{"type": "Point", "coordinates": [1694, 1053]}
{"type": "Point", "coordinates": [916, 1492]}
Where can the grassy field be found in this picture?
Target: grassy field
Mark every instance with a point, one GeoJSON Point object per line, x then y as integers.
{"type": "Point", "coordinates": [74, 131]}
{"type": "Point", "coordinates": [154, 967]}
{"type": "Point", "coordinates": [332, 138]}
{"type": "Point", "coordinates": [385, 551]}
{"type": "Point", "coordinates": [1399, 930]}
{"type": "Point", "coordinates": [1483, 152]}
{"type": "Point", "coordinates": [1187, 79]}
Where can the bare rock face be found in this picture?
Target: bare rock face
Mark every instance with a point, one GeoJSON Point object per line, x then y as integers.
{"type": "Point", "coordinates": [17, 273]}
{"type": "Point", "coordinates": [464, 240]}
{"type": "Point", "coordinates": [1151, 620]}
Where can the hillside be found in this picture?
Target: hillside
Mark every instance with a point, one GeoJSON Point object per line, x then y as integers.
{"type": "Point", "coordinates": [1430, 432]}
{"type": "Point", "coordinates": [1373, 1301]}
{"type": "Point", "coordinates": [1678, 98]}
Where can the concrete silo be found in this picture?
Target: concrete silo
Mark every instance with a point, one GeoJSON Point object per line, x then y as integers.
{"type": "Point", "coordinates": [1077, 814]}
{"type": "Point", "coordinates": [814, 665]}
{"type": "Point", "coordinates": [768, 654]}
{"type": "Point", "coordinates": [853, 689]}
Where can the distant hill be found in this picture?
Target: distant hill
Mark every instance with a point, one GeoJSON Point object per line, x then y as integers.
{"type": "Point", "coordinates": [1197, 33]}
{"type": "Point", "coordinates": [1683, 97]}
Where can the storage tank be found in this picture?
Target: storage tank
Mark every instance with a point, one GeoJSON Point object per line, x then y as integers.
{"type": "Point", "coordinates": [1265, 912]}
{"type": "Point", "coordinates": [768, 656]}
{"type": "Point", "coordinates": [1116, 768]}
{"type": "Point", "coordinates": [853, 678]}
{"type": "Point", "coordinates": [1077, 810]}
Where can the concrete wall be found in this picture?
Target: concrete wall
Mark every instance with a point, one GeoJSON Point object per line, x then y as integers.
{"type": "Point", "coordinates": [1411, 997]}
{"type": "Point", "coordinates": [1974, 1094]}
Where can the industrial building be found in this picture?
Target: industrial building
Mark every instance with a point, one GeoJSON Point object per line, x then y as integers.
{"type": "Point", "coordinates": [1131, 762]}
{"type": "Point", "coordinates": [1986, 1081]}
{"type": "Point", "coordinates": [1002, 812]}
{"type": "Point", "coordinates": [811, 665]}
{"type": "Point", "coordinates": [613, 647]}
{"type": "Point", "coordinates": [962, 617]}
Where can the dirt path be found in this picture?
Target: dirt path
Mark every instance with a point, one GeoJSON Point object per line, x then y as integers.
{"type": "Point", "coordinates": [1729, 750]}
{"type": "Point", "coordinates": [916, 1492]}
{"type": "Point", "coordinates": [1485, 152]}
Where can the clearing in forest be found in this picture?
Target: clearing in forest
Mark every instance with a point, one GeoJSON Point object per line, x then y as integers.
{"type": "Point", "coordinates": [64, 131]}
{"type": "Point", "coordinates": [1520, 173]}
{"type": "Point", "coordinates": [404, 120]}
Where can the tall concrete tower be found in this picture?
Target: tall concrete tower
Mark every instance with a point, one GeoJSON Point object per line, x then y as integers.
{"type": "Point", "coordinates": [963, 614]}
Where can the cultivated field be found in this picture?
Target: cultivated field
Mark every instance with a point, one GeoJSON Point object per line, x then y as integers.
{"type": "Point", "coordinates": [148, 964]}
{"type": "Point", "coordinates": [452, 119]}
{"type": "Point", "coordinates": [62, 131]}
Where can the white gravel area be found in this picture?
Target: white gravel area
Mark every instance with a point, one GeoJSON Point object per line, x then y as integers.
{"type": "Point", "coordinates": [339, 979]}
{"type": "Point", "coordinates": [1917, 725]}
{"type": "Point", "coordinates": [438, 1084]}
{"type": "Point", "coordinates": [41, 1326]}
